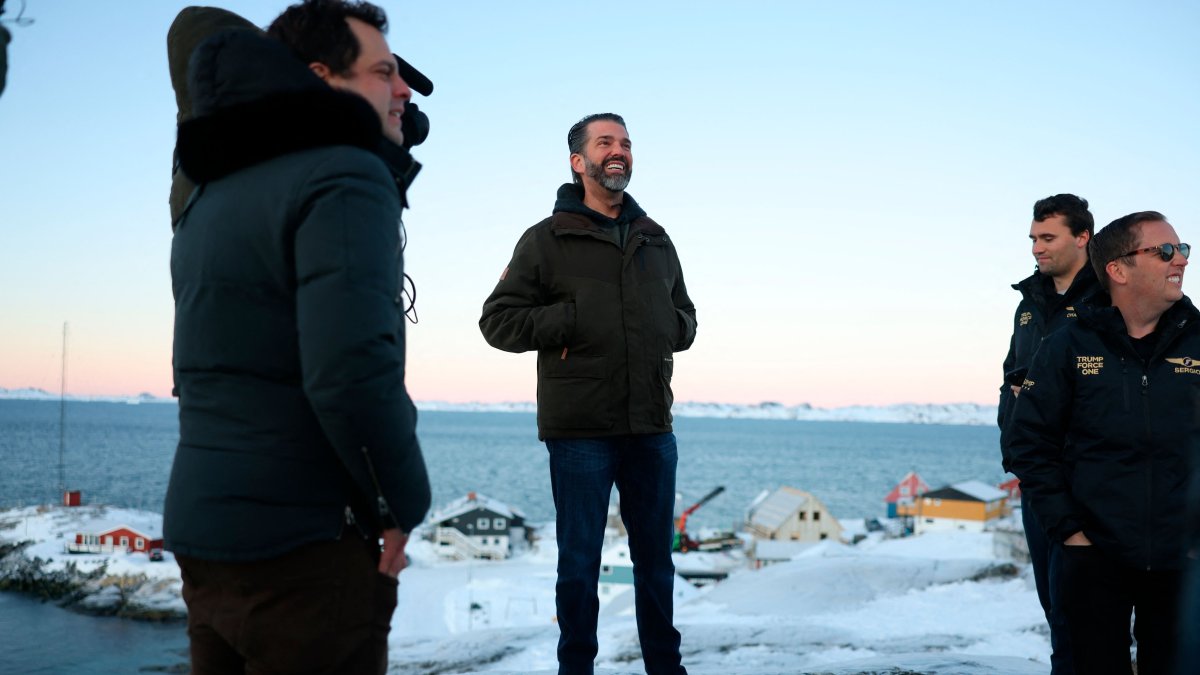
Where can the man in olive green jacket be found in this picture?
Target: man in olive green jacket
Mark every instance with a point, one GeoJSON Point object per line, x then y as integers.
{"type": "Point", "coordinates": [597, 290]}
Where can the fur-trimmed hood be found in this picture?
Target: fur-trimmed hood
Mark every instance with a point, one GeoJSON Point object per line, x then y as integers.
{"type": "Point", "coordinates": [252, 101]}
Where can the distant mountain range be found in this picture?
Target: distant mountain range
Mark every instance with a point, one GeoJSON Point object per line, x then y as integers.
{"type": "Point", "coordinates": [903, 413]}
{"type": "Point", "coordinates": [32, 394]}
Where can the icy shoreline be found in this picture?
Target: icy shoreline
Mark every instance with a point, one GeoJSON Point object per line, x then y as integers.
{"type": "Point", "coordinates": [938, 603]}
{"type": "Point", "coordinates": [33, 560]}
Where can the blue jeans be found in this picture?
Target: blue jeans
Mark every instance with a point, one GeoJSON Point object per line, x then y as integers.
{"type": "Point", "coordinates": [582, 474]}
{"type": "Point", "coordinates": [1047, 561]}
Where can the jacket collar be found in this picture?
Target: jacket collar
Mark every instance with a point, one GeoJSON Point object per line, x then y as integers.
{"type": "Point", "coordinates": [1039, 287]}
{"type": "Point", "coordinates": [570, 200]}
{"type": "Point", "coordinates": [253, 101]}
{"type": "Point", "coordinates": [1103, 317]}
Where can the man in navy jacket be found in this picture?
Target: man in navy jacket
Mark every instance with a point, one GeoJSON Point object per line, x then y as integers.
{"type": "Point", "coordinates": [1100, 438]}
{"type": "Point", "coordinates": [1059, 234]}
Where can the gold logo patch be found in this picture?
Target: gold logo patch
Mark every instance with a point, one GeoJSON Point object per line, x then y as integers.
{"type": "Point", "coordinates": [1026, 317]}
{"type": "Point", "coordinates": [1186, 365]}
{"type": "Point", "coordinates": [1089, 365]}
{"type": "Point", "coordinates": [1071, 313]}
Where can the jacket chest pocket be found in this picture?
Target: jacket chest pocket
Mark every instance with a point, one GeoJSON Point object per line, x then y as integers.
{"type": "Point", "coordinates": [650, 259]}
{"type": "Point", "coordinates": [1107, 390]}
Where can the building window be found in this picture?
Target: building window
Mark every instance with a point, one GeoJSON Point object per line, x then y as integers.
{"type": "Point", "coordinates": [124, 542]}
{"type": "Point", "coordinates": [606, 569]}
{"type": "Point", "coordinates": [498, 524]}
{"type": "Point", "coordinates": [816, 515]}
{"type": "Point", "coordinates": [824, 535]}
{"type": "Point", "coordinates": [904, 490]}
{"type": "Point", "coordinates": [482, 523]}
{"type": "Point", "coordinates": [802, 515]}
{"type": "Point", "coordinates": [139, 543]}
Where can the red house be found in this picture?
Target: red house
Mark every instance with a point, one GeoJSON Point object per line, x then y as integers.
{"type": "Point", "coordinates": [908, 489]}
{"type": "Point", "coordinates": [1013, 487]}
{"type": "Point", "coordinates": [110, 538]}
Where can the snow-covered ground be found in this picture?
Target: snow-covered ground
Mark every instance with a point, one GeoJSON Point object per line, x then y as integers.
{"type": "Point", "coordinates": [938, 603]}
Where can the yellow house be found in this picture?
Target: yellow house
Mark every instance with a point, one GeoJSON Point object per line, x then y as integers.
{"type": "Point", "coordinates": [970, 505]}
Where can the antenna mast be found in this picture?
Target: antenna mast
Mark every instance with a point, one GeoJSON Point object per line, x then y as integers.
{"type": "Point", "coordinates": [62, 418]}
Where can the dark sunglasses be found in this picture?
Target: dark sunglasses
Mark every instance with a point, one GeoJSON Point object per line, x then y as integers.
{"type": "Point", "coordinates": [1164, 251]}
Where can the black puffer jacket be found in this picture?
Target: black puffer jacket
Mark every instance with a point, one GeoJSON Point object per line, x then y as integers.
{"type": "Point", "coordinates": [1040, 312]}
{"type": "Point", "coordinates": [1100, 438]}
{"type": "Point", "coordinates": [604, 318]}
{"type": "Point", "coordinates": [289, 336]}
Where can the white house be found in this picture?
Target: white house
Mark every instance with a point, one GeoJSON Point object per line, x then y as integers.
{"type": "Point", "coordinates": [477, 526]}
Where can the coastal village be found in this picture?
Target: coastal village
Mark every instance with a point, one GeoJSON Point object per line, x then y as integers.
{"type": "Point", "coordinates": [108, 560]}
{"type": "Point", "coordinates": [935, 584]}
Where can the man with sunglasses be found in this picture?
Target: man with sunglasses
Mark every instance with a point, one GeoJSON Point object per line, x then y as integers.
{"type": "Point", "coordinates": [1100, 438]}
{"type": "Point", "coordinates": [1061, 229]}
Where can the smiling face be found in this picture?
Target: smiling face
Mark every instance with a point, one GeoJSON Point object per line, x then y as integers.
{"type": "Point", "coordinates": [1149, 280]}
{"type": "Point", "coordinates": [373, 76]}
{"type": "Point", "coordinates": [607, 158]}
{"type": "Point", "coordinates": [1058, 253]}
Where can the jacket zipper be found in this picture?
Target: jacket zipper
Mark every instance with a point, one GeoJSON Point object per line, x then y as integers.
{"type": "Point", "coordinates": [385, 513]}
{"type": "Point", "coordinates": [1149, 468]}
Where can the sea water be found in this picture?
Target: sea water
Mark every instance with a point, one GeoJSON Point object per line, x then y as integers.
{"type": "Point", "coordinates": [120, 454]}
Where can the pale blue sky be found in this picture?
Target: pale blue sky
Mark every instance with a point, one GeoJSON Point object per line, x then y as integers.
{"type": "Point", "coordinates": [849, 184]}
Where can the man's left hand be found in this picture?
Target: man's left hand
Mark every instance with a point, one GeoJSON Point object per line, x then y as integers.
{"type": "Point", "coordinates": [392, 560]}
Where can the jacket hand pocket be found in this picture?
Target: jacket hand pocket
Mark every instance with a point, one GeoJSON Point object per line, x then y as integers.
{"type": "Point", "coordinates": [574, 391]}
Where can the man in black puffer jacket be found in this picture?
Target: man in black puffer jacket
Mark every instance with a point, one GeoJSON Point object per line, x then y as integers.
{"type": "Point", "coordinates": [298, 446]}
{"type": "Point", "coordinates": [1100, 438]}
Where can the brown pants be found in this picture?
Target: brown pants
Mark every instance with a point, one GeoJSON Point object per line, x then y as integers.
{"type": "Point", "coordinates": [322, 608]}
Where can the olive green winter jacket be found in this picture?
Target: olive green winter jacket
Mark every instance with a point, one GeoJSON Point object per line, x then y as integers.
{"type": "Point", "coordinates": [604, 318]}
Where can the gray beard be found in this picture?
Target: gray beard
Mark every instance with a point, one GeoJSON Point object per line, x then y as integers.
{"type": "Point", "coordinates": [610, 183]}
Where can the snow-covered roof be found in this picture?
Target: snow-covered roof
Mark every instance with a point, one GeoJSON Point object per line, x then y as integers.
{"type": "Point", "coordinates": [971, 489]}
{"type": "Point", "coordinates": [980, 490]}
{"type": "Point", "coordinates": [472, 501]}
{"type": "Point", "coordinates": [101, 526]}
{"type": "Point", "coordinates": [772, 512]}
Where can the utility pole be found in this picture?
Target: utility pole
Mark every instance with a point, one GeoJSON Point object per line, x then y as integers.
{"type": "Point", "coordinates": [62, 421]}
